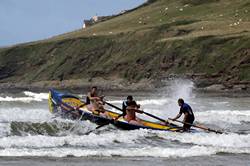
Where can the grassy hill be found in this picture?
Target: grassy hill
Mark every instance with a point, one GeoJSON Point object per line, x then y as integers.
{"type": "Point", "coordinates": [206, 40]}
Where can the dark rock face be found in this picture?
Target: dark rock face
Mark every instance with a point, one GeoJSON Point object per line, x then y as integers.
{"type": "Point", "coordinates": [5, 72]}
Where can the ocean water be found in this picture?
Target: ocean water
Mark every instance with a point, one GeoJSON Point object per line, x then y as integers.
{"type": "Point", "coordinates": [29, 133]}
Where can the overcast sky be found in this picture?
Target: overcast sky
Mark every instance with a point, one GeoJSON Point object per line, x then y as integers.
{"type": "Point", "coordinates": [29, 20]}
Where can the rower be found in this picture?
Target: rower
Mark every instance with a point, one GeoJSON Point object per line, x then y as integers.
{"type": "Point", "coordinates": [125, 104]}
{"type": "Point", "coordinates": [130, 107]}
{"type": "Point", "coordinates": [188, 114]}
{"type": "Point", "coordinates": [94, 102]}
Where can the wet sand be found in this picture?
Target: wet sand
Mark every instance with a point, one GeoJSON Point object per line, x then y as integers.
{"type": "Point", "coordinates": [221, 160]}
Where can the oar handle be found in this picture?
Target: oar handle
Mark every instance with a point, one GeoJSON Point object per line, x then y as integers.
{"type": "Point", "coordinates": [111, 105]}
{"type": "Point", "coordinates": [200, 127]}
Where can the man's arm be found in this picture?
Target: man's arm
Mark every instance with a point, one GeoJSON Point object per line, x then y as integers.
{"type": "Point", "coordinates": [134, 109]}
{"type": "Point", "coordinates": [124, 106]}
{"type": "Point", "coordinates": [177, 116]}
{"type": "Point", "coordinates": [93, 98]}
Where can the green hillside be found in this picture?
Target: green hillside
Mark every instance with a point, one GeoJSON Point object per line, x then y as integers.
{"type": "Point", "coordinates": [206, 40]}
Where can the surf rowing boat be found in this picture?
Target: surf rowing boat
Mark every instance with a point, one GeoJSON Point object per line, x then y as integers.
{"type": "Point", "coordinates": [65, 104]}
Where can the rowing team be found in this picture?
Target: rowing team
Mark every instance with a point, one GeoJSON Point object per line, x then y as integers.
{"type": "Point", "coordinates": [95, 104]}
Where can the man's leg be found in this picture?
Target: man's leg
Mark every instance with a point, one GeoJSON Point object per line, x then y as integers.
{"type": "Point", "coordinates": [186, 127]}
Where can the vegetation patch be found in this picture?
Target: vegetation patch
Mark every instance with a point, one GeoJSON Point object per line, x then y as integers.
{"type": "Point", "coordinates": [198, 2]}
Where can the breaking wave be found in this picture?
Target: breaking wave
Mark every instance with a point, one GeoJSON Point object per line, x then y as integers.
{"type": "Point", "coordinates": [129, 152]}
{"type": "Point", "coordinates": [139, 143]}
{"type": "Point", "coordinates": [224, 116]}
{"type": "Point", "coordinates": [29, 96]}
{"type": "Point", "coordinates": [24, 114]}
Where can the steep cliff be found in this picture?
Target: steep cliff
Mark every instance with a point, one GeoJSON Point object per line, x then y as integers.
{"type": "Point", "coordinates": [205, 40]}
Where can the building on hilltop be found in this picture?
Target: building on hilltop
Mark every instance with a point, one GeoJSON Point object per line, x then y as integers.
{"type": "Point", "coordinates": [87, 23]}
{"type": "Point", "coordinates": [94, 20]}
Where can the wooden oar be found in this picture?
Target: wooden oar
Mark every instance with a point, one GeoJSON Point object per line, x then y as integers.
{"type": "Point", "coordinates": [87, 133]}
{"type": "Point", "coordinates": [76, 123]}
{"type": "Point", "coordinates": [100, 126]}
{"type": "Point", "coordinates": [151, 115]}
{"type": "Point", "coordinates": [111, 105]}
{"type": "Point", "coordinates": [200, 127]}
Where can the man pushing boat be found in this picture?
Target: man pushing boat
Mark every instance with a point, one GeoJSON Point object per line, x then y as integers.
{"type": "Point", "coordinates": [188, 115]}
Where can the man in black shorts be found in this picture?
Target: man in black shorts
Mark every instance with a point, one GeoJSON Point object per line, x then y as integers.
{"type": "Point", "coordinates": [188, 114]}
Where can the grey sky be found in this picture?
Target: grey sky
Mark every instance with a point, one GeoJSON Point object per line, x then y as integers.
{"type": "Point", "coordinates": [29, 20]}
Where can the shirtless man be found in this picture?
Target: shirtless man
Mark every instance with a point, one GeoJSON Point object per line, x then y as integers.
{"type": "Point", "coordinates": [94, 102]}
{"type": "Point", "coordinates": [131, 108]}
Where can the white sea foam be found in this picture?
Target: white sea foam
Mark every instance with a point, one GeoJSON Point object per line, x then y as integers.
{"type": "Point", "coordinates": [29, 96]}
{"type": "Point", "coordinates": [147, 151]}
{"type": "Point", "coordinates": [4, 129]}
{"type": "Point", "coordinates": [21, 99]}
{"type": "Point", "coordinates": [131, 139]}
{"type": "Point", "coordinates": [37, 96]}
{"type": "Point", "coordinates": [24, 115]}
{"type": "Point", "coordinates": [91, 140]}
{"type": "Point", "coordinates": [223, 116]}
{"type": "Point", "coordinates": [158, 102]}
{"type": "Point", "coordinates": [210, 139]}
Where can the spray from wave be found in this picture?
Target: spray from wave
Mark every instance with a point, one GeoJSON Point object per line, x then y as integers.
{"type": "Point", "coordinates": [166, 106]}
